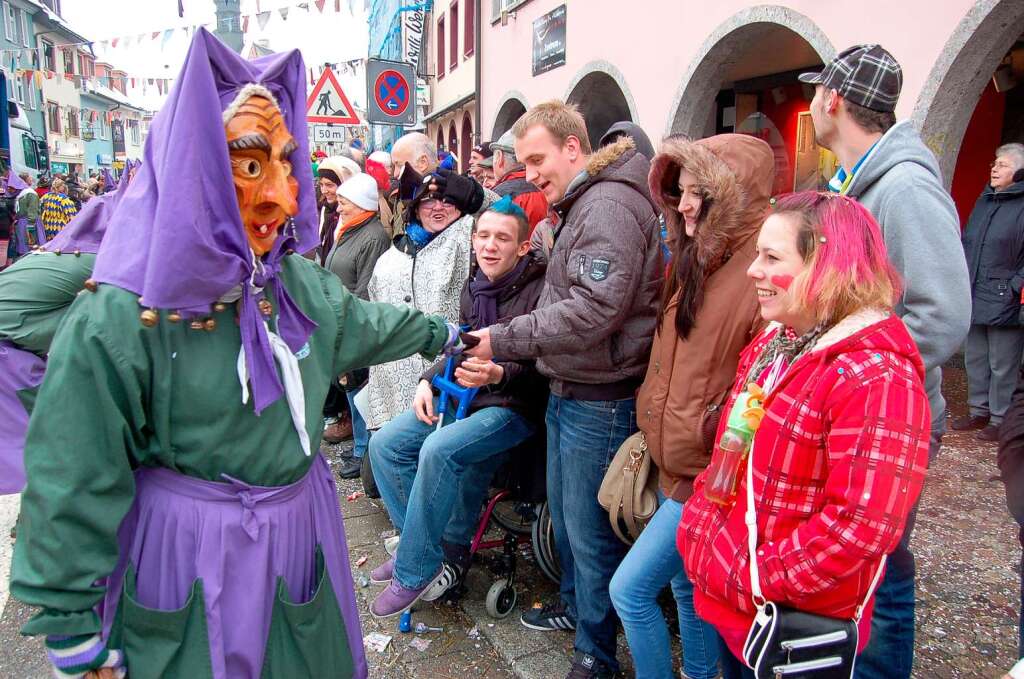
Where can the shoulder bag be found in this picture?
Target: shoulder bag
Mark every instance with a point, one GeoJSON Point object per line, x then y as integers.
{"type": "Point", "coordinates": [629, 490]}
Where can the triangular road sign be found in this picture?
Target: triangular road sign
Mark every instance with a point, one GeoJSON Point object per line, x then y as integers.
{"type": "Point", "coordinates": [327, 102]}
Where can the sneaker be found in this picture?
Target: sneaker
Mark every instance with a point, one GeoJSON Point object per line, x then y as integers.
{"type": "Point", "coordinates": [391, 544]}
{"type": "Point", "coordinates": [338, 431]}
{"type": "Point", "coordinates": [449, 577]}
{"type": "Point", "coordinates": [382, 574]}
{"type": "Point", "coordinates": [969, 422]}
{"type": "Point", "coordinates": [548, 618]}
{"type": "Point", "coordinates": [586, 666]}
{"type": "Point", "coordinates": [350, 467]}
{"type": "Point", "coordinates": [989, 433]}
{"type": "Point", "coordinates": [396, 599]}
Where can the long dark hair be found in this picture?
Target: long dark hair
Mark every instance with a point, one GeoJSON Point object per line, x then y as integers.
{"type": "Point", "coordinates": [686, 275]}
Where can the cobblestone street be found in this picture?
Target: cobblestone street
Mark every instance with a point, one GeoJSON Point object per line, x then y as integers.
{"type": "Point", "coordinates": [968, 594]}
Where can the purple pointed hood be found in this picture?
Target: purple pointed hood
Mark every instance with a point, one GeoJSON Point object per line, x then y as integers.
{"type": "Point", "coordinates": [176, 236]}
{"type": "Point", "coordinates": [108, 180]}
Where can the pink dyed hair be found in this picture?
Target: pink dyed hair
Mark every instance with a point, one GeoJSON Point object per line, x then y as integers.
{"type": "Point", "coordinates": [848, 267]}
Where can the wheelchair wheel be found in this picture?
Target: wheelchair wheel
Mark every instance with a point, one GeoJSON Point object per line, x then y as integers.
{"type": "Point", "coordinates": [501, 599]}
{"type": "Point", "coordinates": [543, 543]}
{"type": "Point", "coordinates": [509, 516]}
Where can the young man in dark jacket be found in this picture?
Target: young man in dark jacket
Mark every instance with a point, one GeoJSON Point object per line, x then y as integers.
{"type": "Point", "coordinates": [591, 334]}
{"type": "Point", "coordinates": [994, 247]}
{"type": "Point", "coordinates": [433, 480]}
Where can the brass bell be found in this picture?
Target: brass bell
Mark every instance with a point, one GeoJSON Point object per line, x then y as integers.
{"type": "Point", "coordinates": [210, 325]}
{"type": "Point", "coordinates": [149, 317]}
{"type": "Point", "coordinates": [219, 307]}
{"type": "Point", "coordinates": [174, 317]}
{"type": "Point", "coordinates": [196, 324]}
{"type": "Point", "coordinates": [91, 285]}
{"type": "Point", "coordinates": [57, 252]}
{"type": "Point", "coordinates": [289, 251]}
{"type": "Point", "coordinates": [265, 308]}
{"type": "Point", "coordinates": [78, 253]}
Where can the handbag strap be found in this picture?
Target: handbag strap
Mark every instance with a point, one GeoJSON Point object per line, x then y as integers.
{"type": "Point", "coordinates": [750, 518]}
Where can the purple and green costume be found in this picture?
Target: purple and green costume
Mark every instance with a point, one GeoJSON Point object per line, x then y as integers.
{"type": "Point", "coordinates": [190, 528]}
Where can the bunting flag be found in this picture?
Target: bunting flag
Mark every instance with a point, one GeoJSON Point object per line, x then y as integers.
{"type": "Point", "coordinates": [167, 36]}
{"type": "Point", "coordinates": [337, 5]}
{"type": "Point", "coordinates": [245, 24]}
{"type": "Point", "coordinates": [181, 9]}
{"type": "Point", "coordinates": [303, 5]}
{"type": "Point", "coordinates": [155, 35]}
{"type": "Point", "coordinates": [113, 42]}
{"type": "Point", "coordinates": [262, 18]}
{"type": "Point", "coordinates": [320, 5]}
{"type": "Point", "coordinates": [284, 13]}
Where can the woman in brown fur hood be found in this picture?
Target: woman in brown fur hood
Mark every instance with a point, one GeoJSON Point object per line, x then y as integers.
{"type": "Point", "coordinates": [714, 194]}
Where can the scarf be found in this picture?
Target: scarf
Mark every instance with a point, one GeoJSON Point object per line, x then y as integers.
{"type": "Point", "coordinates": [786, 347]}
{"type": "Point", "coordinates": [419, 236]}
{"type": "Point", "coordinates": [485, 293]}
{"type": "Point", "coordinates": [360, 219]}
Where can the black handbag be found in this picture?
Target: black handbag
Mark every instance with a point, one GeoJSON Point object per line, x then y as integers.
{"type": "Point", "coordinates": [785, 642]}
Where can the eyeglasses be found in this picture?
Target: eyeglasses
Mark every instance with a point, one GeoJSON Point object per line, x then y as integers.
{"type": "Point", "coordinates": [434, 203]}
{"type": "Point", "coordinates": [1000, 165]}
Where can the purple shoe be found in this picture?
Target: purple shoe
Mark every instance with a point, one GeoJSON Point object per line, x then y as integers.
{"type": "Point", "coordinates": [396, 599]}
{"type": "Point", "coordinates": [382, 574]}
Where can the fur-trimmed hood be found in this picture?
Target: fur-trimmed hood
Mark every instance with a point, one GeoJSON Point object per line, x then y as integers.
{"type": "Point", "coordinates": [617, 162]}
{"type": "Point", "coordinates": [737, 172]}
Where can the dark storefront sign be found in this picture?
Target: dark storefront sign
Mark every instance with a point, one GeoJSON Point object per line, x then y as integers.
{"type": "Point", "coordinates": [549, 41]}
{"type": "Point", "coordinates": [117, 134]}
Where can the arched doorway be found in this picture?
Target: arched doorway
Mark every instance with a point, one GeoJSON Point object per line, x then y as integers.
{"type": "Point", "coordinates": [973, 100]}
{"type": "Point", "coordinates": [744, 79]}
{"type": "Point", "coordinates": [440, 138]}
{"type": "Point", "coordinates": [453, 140]}
{"type": "Point", "coordinates": [508, 113]}
{"type": "Point", "coordinates": [466, 143]}
{"type": "Point", "coordinates": [601, 100]}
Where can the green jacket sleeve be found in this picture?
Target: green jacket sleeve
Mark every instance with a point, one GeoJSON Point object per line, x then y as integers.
{"type": "Point", "coordinates": [374, 332]}
{"type": "Point", "coordinates": [36, 292]}
{"type": "Point", "coordinates": [80, 480]}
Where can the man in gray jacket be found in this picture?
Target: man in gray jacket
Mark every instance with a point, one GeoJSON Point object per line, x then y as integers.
{"type": "Point", "coordinates": [886, 166]}
{"type": "Point", "coordinates": [591, 335]}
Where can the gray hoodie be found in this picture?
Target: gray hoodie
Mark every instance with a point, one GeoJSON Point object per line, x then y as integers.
{"type": "Point", "coordinates": [900, 184]}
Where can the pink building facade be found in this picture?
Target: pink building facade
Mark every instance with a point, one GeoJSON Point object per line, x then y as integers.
{"type": "Point", "coordinates": [698, 68]}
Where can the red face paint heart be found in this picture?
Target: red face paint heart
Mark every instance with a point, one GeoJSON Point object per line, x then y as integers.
{"type": "Point", "coordinates": [782, 281]}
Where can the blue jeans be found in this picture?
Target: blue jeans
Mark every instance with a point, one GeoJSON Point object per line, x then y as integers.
{"type": "Point", "coordinates": [890, 651]}
{"type": "Point", "coordinates": [651, 564]}
{"type": "Point", "coordinates": [583, 437]}
{"type": "Point", "coordinates": [733, 667]}
{"type": "Point", "coordinates": [360, 436]}
{"type": "Point", "coordinates": [432, 480]}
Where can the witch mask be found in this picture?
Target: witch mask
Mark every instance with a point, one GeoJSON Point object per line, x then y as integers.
{"type": "Point", "coordinates": [259, 144]}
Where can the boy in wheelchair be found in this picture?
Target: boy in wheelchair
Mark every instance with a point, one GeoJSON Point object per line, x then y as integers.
{"type": "Point", "coordinates": [433, 474]}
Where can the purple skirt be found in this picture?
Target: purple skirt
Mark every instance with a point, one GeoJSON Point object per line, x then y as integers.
{"type": "Point", "coordinates": [19, 370]}
{"type": "Point", "coordinates": [237, 540]}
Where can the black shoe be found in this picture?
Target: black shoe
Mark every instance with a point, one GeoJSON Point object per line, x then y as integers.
{"type": "Point", "coordinates": [989, 433]}
{"type": "Point", "coordinates": [969, 422]}
{"type": "Point", "coordinates": [586, 666]}
{"type": "Point", "coordinates": [350, 467]}
{"type": "Point", "coordinates": [366, 474]}
{"type": "Point", "coordinates": [549, 618]}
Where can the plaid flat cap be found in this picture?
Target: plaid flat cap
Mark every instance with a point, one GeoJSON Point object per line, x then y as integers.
{"type": "Point", "coordinates": [864, 74]}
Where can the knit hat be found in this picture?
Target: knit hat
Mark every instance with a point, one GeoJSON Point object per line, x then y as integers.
{"type": "Point", "coordinates": [361, 189]}
{"type": "Point", "coordinates": [331, 168]}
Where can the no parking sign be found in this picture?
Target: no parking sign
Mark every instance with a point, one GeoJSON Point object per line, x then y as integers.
{"type": "Point", "coordinates": [391, 96]}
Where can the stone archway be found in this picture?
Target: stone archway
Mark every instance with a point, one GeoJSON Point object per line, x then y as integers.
{"type": "Point", "coordinates": [453, 141]}
{"type": "Point", "coordinates": [466, 141]}
{"type": "Point", "coordinates": [693, 108]}
{"type": "Point", "coordinates": [600, 92]}
{"type": "Point", "coordinates": [511, 107]}
{"type": "Point", "coordinates": [964, 67]}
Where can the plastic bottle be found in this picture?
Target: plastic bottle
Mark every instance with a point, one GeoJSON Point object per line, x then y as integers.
{"type": "Point", "coordinates": [733, 446]}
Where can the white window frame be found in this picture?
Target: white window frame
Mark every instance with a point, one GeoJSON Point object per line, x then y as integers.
{"type": "Point", "coordinates": [24, 28]}
{"type": "Point", "coordinates": [7, 26]}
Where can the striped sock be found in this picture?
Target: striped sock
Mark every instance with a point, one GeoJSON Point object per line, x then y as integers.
{"type": "Point", "coordinates": [73, 656]}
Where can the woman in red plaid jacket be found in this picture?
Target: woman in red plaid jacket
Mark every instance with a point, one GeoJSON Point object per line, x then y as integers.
{"type": "Point", "coordinates": [841, 444]}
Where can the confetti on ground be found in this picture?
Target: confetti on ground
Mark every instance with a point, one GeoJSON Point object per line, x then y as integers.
{"type": "Point", "coordinates": [361, 561]}
{"type": "Point", "coordinates": [420, 644]}
{"type": "Point", "coordinates": [355, 496]}
{"type": "Point", "coordinates": [377, 641]}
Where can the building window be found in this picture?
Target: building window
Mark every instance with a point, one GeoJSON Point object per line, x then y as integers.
{"type": "Point", "coordinates": [133, 132]}
{"type": "Point", "coordinates": [469, 32]}
{"type": "Point", "coordinates": [24, 28]}
{"type": "Point", "coordinates": [28, 146]}
{"type": "Point", "coordinates": [69, 61]}
{"type": "Point", "coordinates": [19, 90]}
{"type": "Point", "coordinates": [496, 6]}
{"type": "Point", "coordinates": [49, 56]}
{"type": "Point", "coordinates": [453, 19]}
{"type": "Point", "coordinates": [440, 36]}
{"type": "Point", "coordinates": [72, 121]}
{"type": "Point", "coordinates": [53, 117]}
{"type": "Point", "coordinates": [86, 65]}
{"type": "Point", "coordinates": [10, 22]}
